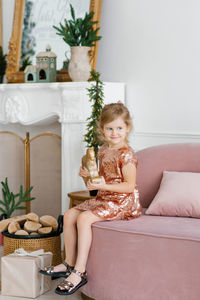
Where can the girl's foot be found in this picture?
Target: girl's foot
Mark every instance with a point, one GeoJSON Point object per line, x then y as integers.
{"type": "Point", "coordinates": [62, 270]}
{"type": "Point", "coordinates": [73, 282]}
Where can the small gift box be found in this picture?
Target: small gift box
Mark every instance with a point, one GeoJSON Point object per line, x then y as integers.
{"type": "Point", "coordinates": [20, 273]}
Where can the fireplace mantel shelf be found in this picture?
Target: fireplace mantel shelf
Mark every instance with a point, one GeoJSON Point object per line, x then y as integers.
{"type": "Point", "coordinates": [30, 104]}
{"type": "Point", "coordinates": [44, 103]}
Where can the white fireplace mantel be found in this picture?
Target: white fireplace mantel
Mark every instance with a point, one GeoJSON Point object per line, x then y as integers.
{"type": "Point", "coordinates": [45, 103]}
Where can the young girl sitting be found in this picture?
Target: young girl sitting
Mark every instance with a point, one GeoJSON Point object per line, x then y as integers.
{"type": "Point", "coordinates": [117, 198]}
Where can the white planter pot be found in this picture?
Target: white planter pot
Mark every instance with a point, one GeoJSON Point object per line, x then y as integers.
{"type": "Point", "coordinates": [79, 64]}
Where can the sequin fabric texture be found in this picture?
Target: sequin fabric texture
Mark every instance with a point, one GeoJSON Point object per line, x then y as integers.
{"type": "Point", "coordinates": [113, 205]}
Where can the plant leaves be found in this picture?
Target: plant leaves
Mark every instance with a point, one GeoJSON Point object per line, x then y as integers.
{"type": "Point", "coordinates": [12, 201]}
{"type": "Point", "coordinates": [20, 207]}
{"type": "Point", "coordinates": [72, 12]}
{"type": "Point", "coordinates": [79, 31]}
{"type": "Point", "coordinates": [1, 202]}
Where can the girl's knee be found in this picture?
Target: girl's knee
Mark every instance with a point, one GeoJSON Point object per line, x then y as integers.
{"type": "Point", "coordinates": [70, 216]}
{"type": "Point", "coordinates": [84, 218]}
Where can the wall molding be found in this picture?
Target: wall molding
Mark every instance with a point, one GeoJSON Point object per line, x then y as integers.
{"type": "Point", "coordinates": [144, 139]}
{"type": "Point", "coordinates": [174, 135]}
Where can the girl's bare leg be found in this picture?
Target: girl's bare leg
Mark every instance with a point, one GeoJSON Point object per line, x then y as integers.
{"type": "Point", "coordinates": [84, 227]}
{"type": "Point", "coordinates": [70, 238]}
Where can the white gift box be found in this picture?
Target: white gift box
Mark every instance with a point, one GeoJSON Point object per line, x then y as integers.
{"type": "Point", "coordinates": [20, 273]}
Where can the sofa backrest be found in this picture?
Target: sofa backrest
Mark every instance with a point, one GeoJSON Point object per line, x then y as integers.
{"type": "Point", "coordinates": [153, 161]}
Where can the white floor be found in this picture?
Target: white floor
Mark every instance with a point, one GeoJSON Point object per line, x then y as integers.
{"type": "Point", "coordinates": [48, 296]}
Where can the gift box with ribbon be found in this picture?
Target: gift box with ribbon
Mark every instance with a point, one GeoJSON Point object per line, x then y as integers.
{"type": "Point", "coordinates": [20, 273]}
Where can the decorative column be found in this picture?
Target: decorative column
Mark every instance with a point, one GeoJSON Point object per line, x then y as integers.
{"type": "Point", "coordinates": [72, 127]}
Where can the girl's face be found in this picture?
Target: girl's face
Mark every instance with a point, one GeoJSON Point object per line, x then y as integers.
{"type": "Point", "coordinates": [115, 133]}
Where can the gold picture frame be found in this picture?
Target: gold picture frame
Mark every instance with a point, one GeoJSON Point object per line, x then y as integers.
{"type": "Point", "coordinates": [1, 28]}
{"type": "Point", "coordinates": [12, 73]}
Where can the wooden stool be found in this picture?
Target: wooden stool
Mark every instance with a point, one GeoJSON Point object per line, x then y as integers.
{"type": "Point", "coordinates": [78, 197]}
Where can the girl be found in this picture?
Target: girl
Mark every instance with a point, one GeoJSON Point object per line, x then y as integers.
{"type": "Point", "coordinates": [117, 199]}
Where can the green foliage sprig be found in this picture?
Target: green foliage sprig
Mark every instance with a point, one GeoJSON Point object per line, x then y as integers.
{"type": "Point", "coordinates": [3, 64]}
{"type": "Point", "coordinates": [28, 40]}
{"type": "Point", "coordinates": [9, 202]}
{"type": "Point", "coordinates": [78, 31]}
{"type": "Point", "coordinates": [96, 97]}
{"type": "Point", "coordinates": [26, 61]}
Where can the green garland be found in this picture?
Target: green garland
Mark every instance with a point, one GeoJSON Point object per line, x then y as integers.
{"type": "Point", "coordinates": [96, 97]}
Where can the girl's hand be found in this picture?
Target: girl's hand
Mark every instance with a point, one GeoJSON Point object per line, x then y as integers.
{"type": "Point", "coordinates": [82, 172]}
{"type": "Point", "coordinates": [96, 186]}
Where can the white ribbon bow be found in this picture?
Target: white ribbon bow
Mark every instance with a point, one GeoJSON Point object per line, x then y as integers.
{"type": "Point", "coordinates": [38, 253]}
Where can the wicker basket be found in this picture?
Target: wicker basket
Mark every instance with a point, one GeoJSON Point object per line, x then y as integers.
{"type": "Point", "coordinates": [48, 242]}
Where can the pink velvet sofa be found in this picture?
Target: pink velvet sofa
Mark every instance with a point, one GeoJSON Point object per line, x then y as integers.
{"type": "Point", "coordinates": [152, 257]}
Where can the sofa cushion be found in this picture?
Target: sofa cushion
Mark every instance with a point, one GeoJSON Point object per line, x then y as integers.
{"type": "Point", "coordinates": [183, 157]}
{"type": "Point", "coordinates": [169, 227]}
{"type": "Point", "coordinates": [178, 195]}
{"type": "Point", "coordinates": [151, 257]}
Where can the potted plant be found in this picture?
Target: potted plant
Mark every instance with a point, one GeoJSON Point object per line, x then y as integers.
{"type": "Point", "coordinates": [10, 201]}
{"type": "Point", "coordinates": [3, 64]}
{"type": "Point", "coordinates": [96, 97]}
{"type": "Point", "coordinates": [80, 35]}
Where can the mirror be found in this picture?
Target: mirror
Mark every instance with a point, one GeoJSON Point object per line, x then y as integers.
{"type": "Point", "coordinates": [42, 15]}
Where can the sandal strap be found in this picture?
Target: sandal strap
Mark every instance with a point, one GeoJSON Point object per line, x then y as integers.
{"type": "Point", "coordinates": [67, 287]}
{"type": "Point", "coordinates": [83, 275]}
{"type": "Point", "coordinates": [49, 270]}
{"type": "Point", "coordinates": [67, 266]}
{"type": "Point", "coordinates": [66, 284]}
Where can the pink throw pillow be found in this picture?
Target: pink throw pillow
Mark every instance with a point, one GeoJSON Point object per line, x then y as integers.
{"type": "Point", "coordinates": [178, 195]}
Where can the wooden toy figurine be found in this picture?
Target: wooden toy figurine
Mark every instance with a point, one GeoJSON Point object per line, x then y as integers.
{"type": "Point", "coordinates": [90, 165]}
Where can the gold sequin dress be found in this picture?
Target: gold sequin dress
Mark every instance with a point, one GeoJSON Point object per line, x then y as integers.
{"type": "Point", "coordinates": [113, 205]}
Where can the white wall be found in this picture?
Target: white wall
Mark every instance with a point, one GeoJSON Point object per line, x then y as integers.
{"type": "Point", "coordinates": [154, 47]}
{"type": "Point", "coordinates": [7, 18]}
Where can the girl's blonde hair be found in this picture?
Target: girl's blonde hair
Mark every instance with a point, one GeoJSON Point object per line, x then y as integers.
{"type": "Point", "coordinates": [111, 112]}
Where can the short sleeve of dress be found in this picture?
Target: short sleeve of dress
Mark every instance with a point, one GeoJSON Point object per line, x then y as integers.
{"type": "Point", "coordinates": [128, 156]}
{"type": "Point", "coordinates": [100, 152]}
